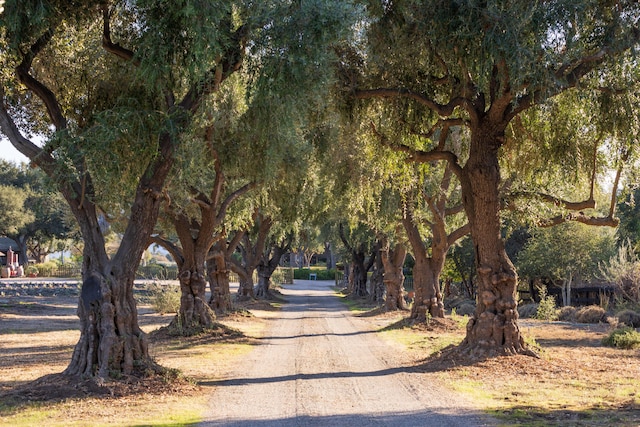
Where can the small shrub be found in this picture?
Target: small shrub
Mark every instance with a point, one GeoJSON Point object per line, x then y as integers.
{"type": "Point", "coordinates": [321, 273]}
{"type": "Point", "coordinates": [591, 314]}
{"type": "Point", "coordinates": [547, 307]}
{"type": "Point", "coordinates": [567, 314]}
{"type": "Point", "coordinates": [629, 318]}
{"type": "Point", "coordinates": [165, 299]}
{"type": "Point", "coordinates": [627, 338]}
{"type": "Point", "coordinates": [46, 269]}
{"type": "Point", "coordinates": [527, 311]}
{"type": "Point", "coordinates": [31, 270]}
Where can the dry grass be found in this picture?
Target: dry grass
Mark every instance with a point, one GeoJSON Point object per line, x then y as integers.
{"type": "Point", "coordinates": [576, 382]}
{"type": "Point", "coordinates": [37, 339]}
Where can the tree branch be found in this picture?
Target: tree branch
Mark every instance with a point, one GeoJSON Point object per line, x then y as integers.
{"type": "Point", "coordinates": [607, 221]}
{"type": "Point", "coordinates": [443, 110]}
{"type": "Point", "coordinates": [556, 201]}
{"type": "Point", "coordinates": [458, 234]}
{"type": "Point", "coordinates": [52, 105]}
{"type": "Point", "coordinates": [230, 62]}
{"type": "Point", "coordinates": [108, 44]}
{"type": "Point", "coordinates": [232, 197]}
{"type": "Point", "coordinates": [419, 156]}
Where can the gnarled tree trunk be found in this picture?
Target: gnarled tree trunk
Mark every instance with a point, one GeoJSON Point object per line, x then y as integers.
{"type": "Point", "coordinates": [494, 328]}
{"type": "Point", "coordinates": [359, 275]}
{"type": "Point", "coordinates": [377, 285]}
{"type": "Point", "coordinates": [111, 341]}
{"type": "Point", "coordinates": [268, 265]}
{"type": "Point", "coordinates": [194, 311]}
{"type": "Point", "coordinates": [393, 260]}
{"type": "Point", "coordinates": [218, 274]}
{"type": "Point", "coordinates": [426, 286]}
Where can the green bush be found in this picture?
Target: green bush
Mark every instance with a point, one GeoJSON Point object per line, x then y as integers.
{"type": "Point", "coordinates": [321, 273]}
{"type": "Point", "coordinates": [164, 299]}
{"type": "Point", "coordinates": [626, 338]}
{"type": "Point", "coordinates": [47, 269]}
{"type": "Point", "coordinates": [547, 307]}
{"type": "Point", "coordinates": [31, 270]}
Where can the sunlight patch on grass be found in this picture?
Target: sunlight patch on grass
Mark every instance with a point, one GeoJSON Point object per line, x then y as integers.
{"type": "Point", "coordinates": [137, 410]}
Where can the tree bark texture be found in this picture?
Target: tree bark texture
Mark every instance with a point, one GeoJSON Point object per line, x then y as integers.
{"type": "Point", "coordinates": [218, 274]}
{"type": "Point", "coordinates": [194, 311]}
{"type": "Point", "coordinates": [393, 261]}
{"type": "Point", "coordinates": [426, 274]}
{"type": "Point", "coordinates": [377, 289]}
{"type": "Point", "coordinates": [252, 253]}
{"type": "Point", "coordinates": [494, 327]}
{"type": "Point", "coordinates": [358, 275]}
{"type": "Point", "coordinates": [267, 266]}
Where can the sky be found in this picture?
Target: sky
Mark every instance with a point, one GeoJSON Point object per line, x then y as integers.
{"type": "Point", "coordinates": [7, 152]}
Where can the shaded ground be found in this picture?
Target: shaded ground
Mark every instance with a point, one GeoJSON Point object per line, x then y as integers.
{"type": "Point", "coordinates": [576, 382]}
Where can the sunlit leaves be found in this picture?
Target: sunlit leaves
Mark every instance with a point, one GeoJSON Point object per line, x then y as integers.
{"type": "Point", "coordinates": [569, 249]}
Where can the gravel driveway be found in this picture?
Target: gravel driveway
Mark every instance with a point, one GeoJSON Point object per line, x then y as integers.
{"type": "Point", "coordinates": [321, 366]}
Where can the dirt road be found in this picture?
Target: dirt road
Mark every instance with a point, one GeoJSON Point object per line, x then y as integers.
{"type": "Point", "coordinates": [321, 366]}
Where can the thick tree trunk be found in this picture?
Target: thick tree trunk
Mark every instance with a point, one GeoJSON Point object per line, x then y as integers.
{"type": "Point", "coordinates": [194, 312]}
{"type": "Point", "coordinates": [358, 275]}
{"type": "Point", "coordinates": [393, 261]}
{"type": "Point", "coordinates": [428, 299]}
{"type": "Point", "coordinates": [218, 273]}
{"type": "Point", "coordinates": [331, 258]}
{"type": "Point", "coordinates": [494, 327]}
{"type": "Point", "coordinates": [245, 288]}
{"type": "Point", "coordinates": [426, 271]}
{"type": "Point", "coordinates": [377, 285]}
{"type": "Point", "coordinates": [111, 341]}
{"type": "Point", "coordinates": [266, 267]}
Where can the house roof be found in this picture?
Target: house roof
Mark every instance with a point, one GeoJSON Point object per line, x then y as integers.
{"type": "Point", "coordinates": [6, 243]}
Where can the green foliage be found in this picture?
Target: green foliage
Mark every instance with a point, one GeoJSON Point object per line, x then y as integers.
{"type": "Point", "coordinates": [625, 338]}
{"type": "Point", "coordinates": [321, 273]}
{"type": "Point", "coordinates": [164, 299]}
{"type": "Point", "coordinates": [623, 270]}
{"type": "Point", "coordinates": [32, 210]}
{"type": "Point", "coordinates": [628, 210]}
{"type": "Point", "coordinates": [14, 214]}
{"type": "Point", "coordinates": [547, 307]}
{"type": "Point", "coordinates": [555, 253]}
{"type": "Point", "coordinates": [47, 269]}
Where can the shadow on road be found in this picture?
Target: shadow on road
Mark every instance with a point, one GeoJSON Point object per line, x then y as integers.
{"type": "Point", "coordinates": [322, 375]}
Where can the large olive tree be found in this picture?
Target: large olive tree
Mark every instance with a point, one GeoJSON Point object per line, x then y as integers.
{"type": "Point", "coordinates": [114, 88]}
{"type": "Point", "coordinates": [434, 66]}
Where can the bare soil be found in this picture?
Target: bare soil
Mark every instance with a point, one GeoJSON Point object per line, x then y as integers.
{"type": "Point", "coordinates": [576, 381]}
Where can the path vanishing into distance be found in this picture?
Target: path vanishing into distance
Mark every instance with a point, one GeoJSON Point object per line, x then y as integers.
{"type": "Point", "coordinates": [322, 366]}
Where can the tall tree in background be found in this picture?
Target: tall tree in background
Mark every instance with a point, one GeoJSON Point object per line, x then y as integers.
{"type": "Point", "coordinates": [50, 224]}
{"type": "Point", "coordinates": [482, 65]}
{"type": "Point", "coordinates": [438, 207]}
{"type": "Point", "coordinates": [113, 88]}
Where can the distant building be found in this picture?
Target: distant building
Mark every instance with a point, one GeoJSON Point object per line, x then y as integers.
{"type": "Point", "coordinates": [9, 258]}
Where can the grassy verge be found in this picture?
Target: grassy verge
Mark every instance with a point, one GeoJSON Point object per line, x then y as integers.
{"type": "Point", "coordinates": [202, 359]}
{"type": "Point", "coordinates": [577, 381]}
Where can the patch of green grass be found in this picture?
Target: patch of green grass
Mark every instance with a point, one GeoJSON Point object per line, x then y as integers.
{"type": "Point", "coordinates": [626, 338]}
